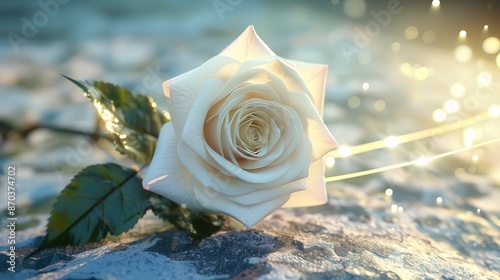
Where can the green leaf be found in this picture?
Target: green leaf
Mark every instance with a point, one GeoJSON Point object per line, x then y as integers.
{"type": "Point", "coordinates": [133, 121]}
{"type": "Point", "coordinates": [197, 224]}
{"type": "Point", "coordinates": [101, 199]}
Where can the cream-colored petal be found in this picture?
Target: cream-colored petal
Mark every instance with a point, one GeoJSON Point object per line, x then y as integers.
{"type": "Point", "coordinates": [314, 76]}
{"type": "Point", "coordinates": [181, 91]}
{"type": "Point", "coordinates": [321, 138]}
{"type": "Point", "coordinates": [315, 194]}
{"type": "Point", "coordinates": [280, 68]}
{"type": "Point", "coordinates": [247, 46]}
{"type": "Point", "coordinates": [166, 175]}
{"type": "Point", "coordinates": [260, 196]}
{"type": "Point", "coordinates": [210, 176]}
{"type": "Point", "coordinates": [213, 178]}
{"type": "Point", "coordinates": [248, 215]}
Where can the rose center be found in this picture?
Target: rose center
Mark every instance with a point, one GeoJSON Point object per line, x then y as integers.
{"type": "Point", "coordinates": [254, 136]}
{"type": "Point", "coordinates": [253, 132]}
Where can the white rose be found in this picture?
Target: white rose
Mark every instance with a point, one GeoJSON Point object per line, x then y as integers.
{"type": "Point", "coordinates": [246, 135]}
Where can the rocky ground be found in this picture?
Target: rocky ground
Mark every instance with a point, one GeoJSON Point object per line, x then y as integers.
{"type": "Point", "coordinates": [438, 221]}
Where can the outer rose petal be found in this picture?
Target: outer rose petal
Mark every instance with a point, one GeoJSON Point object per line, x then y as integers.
{"type": "Point", "coordinates": [314, 75]}
{"type": "Point", "coordinates": [316, 129]}
{"type": "Point", "coordinates": [247, 46]}
{"type": "Point", "coordinates": [182, 90]}
{"type": "Point", "coordinates": [315, 194]}
{"type": "Point", "coordinates": [167, 175]}
{"type": "Point", "coordinates": [247, 215]}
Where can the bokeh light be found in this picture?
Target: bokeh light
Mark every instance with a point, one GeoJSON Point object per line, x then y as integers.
{"type": "Point", "coordinates": [379, 105]}
{"type": "Point", "coordinates": [354, 8]}
{"type": "Point", "coordinates": [411, 33]}
{"type": "Point", "coordinates": [463, 53]}
{"type": "Point", "coordinates": [330, 162]}
{"type": "Point", "coordinates": [462, 34]}
{"type": "Point", "coordinates": [494, 110]}
{"type": "Point", "coordinates": [439, 115]}
{"type": "Point", "coordinates": [457, 90]}
{"type": "Point", "coordinates": [396, 46]}
{"type": "Point", "coordinates": [439, 200]}
{"type": "Point", "coordinates": [391, 141]}
{"type": "Point", "coordinates": [388, 192]}
{"type": "Point", "coordinates": [451, 106]}
{"type": "Point", "coordinates": [422, 160]}
{"type": "Point", "coordinates": [345, 151]}
{"type": "Point", "coordinates": [353, 102]}
{"type": "Point", "coordinates": [491, 45]}
{"type": "Point", "coordinates": [422, 73]}
{"type": "Point", "coordinates": [470, 134]}
{"type": "Point", "coordinates": [484, 78]}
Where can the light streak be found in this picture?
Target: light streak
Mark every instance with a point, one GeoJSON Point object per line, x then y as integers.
{"type": "Point", "coordinates": [408, 163]}
{"type": "Point", "coordinates": [413, 136]}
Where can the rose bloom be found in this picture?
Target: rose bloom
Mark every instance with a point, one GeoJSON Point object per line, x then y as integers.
{"type": "Point", "coordinates": [246, 135]}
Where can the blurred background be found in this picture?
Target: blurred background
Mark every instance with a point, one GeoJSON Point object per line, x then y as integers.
{"type": "Point", "coordinates": [395, 67]}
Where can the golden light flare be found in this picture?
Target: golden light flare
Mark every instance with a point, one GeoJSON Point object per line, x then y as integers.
{"type": "Point", "coordinates": [423, 160]}
{"type": "Point", "coordinates": [422, 73]}
{"type": "Point", "coordinates": [493, 112]}
{"type": "Point", "coordinates": [484, 79]}
{"type": "Point", "coordinates": [409, 163]}
{"type": "Point", "coordinates": [462, 34]}
{"type": "Point", "coordinates": [344, 151]}
{"type": "Point", "coordinates": [329, 162]}
{"type": "Point", "coordinates": [388, 192]}
{"type": "Point", "coordinates": [470, 134]}
{"type": "Point", "coordinates": [463, 53]}
{"type": "Point", "coordinates": [436, 4]}
{"type": "Point", "coordinates": [451, 106]}
{"type": "Point", "coordinates": [391, 141]}
{"type": "Point", "coordinates": [411, 33]}
{"type": "Point", "coordinates": [491, 45]}
{"type": "Point", "coordinates": [457, 90]}
{"type": "Point", "coordinates": [439, 200]}
{"type": "Point", "coordinates": [439, 115]}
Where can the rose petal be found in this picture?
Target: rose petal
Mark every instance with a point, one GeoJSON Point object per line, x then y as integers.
{"type": "Point", "coordinates": [247, 46]}
{"type": "Point", "coordinates": [167, 175]}
{"type": "Point", "coordinates": [181, 91]}
{"type": "Point", "coordinates": [213, 178]}
{"type": "Point", "coordinates": [248, 215]}
{"type": "Point", "coordinates": [209, 176]}
{"type": "Point", "coordinates": [285, 72]}
{"type": "Point", "coordinates": [262, 195]}
{"type": "Point", "coordinates": [321, 138]}
{"type": "Point", "coordinates": [314, 76]}
{"type": "Point", "coordinates": [315, 194]}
